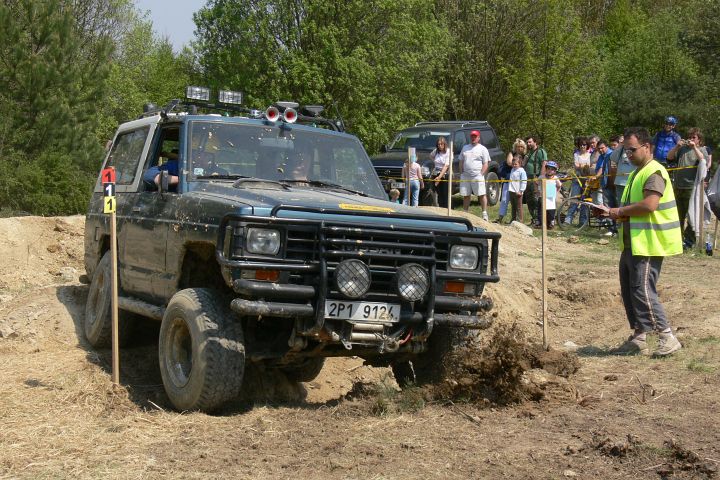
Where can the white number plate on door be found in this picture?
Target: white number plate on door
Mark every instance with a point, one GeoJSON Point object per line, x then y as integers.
{"type": "Point", "coordinates": [381, 312]}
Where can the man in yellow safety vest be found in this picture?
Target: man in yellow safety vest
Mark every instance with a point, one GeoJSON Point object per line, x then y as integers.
{"type": "Point", "coordinates": [649, 232]}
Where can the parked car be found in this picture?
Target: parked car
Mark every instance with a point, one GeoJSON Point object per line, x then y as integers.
{"type": "Point", "coordinates": [423, 136]}
{"type": "Point", "coordinates": [272, 242]}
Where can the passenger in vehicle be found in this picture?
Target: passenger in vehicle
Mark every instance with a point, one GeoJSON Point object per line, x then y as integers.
{"type": "Point", "coordinates": [204, 165]}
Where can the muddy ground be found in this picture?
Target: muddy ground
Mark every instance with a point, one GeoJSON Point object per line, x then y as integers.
{"type": "Point", "coordinates": [616, 417]}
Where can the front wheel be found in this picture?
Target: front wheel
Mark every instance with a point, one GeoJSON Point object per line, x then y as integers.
{"type": "Point", "coordinates": [493, 188]}
{"type": "Point", "coordinates": [201, 351]}
{"type": "Point", "coordinates": [429, 366]}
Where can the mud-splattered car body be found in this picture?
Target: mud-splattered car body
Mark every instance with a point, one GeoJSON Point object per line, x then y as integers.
{"type": "Point", "coordinates": [277, 244]}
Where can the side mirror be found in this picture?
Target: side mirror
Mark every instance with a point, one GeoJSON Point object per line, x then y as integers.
{"type": "Point", "coordinates": [164, 181]}
{"type": "Point", "coordinates": [383, 148]}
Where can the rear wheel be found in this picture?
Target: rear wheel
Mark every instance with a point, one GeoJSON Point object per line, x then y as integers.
{"type": "Point", "coordinates": [201, 351]}
{"type": "Point", "coordinates": [97, 324]}
{"type": "Point", "coordinates": [493, 188]}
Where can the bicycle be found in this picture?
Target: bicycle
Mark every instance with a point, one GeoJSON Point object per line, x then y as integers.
{"type": "Point", "coordinates": [572, 206]}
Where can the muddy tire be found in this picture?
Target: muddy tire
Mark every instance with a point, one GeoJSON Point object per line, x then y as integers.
{"type": "Point", "coordinates": [493, 188]}
{"type": "Point", "coordinates": [201, 351]}
{"type": "Point", "coordinates": [305, 371]}
{"type": "Point", "coordinates": [429, 366]}
{"type": "Point", "coordinates": [97, 324]}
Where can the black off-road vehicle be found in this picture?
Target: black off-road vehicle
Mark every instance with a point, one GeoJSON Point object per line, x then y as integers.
{"type": "Point", "coordinates": [275, 246]}
{"type": "Point", "coordinates": [423, 137]}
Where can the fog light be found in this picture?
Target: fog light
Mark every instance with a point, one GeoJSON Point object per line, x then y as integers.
{"type": "Point", "coordinates": [352, 278]}
{"type": "Point", "coordinates": [412, 282]}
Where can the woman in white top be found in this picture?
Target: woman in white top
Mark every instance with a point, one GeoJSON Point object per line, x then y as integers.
{"type": "Point", "coordinates": [519, 152]}
{"type": "Point", "coordinates": [438, 184]}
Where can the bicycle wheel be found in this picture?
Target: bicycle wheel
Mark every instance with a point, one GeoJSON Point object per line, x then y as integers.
{"type": "Point", "coordinates": [570, 209]}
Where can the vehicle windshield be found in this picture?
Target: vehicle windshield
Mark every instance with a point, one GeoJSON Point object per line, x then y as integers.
{"type": "Point", "coordinates": [302, 158]}
{"type": "Point", "coordinates": [420, 139]}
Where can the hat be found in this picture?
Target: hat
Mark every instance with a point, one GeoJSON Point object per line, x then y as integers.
{"type": "Point", "coordinates": [475, 133]}
{"type": "Point", "coordinates": [670, 120]}
{"type": "Point", "coordinates": [551, 164]}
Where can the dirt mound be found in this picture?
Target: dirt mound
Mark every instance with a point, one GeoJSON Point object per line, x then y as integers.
{"type": "Point", "coordinates": [502, 372]}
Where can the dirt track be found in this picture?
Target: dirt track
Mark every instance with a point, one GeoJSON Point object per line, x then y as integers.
{"type": "Point", "coordinates": [615, 418]}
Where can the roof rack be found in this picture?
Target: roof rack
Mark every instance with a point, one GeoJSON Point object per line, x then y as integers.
{"type": "Point", "coordinates": [309, 114]}
{"type": "Point", "coordinates": [460, 123]}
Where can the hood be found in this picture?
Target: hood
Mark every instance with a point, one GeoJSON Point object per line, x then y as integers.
{"type": "Point", "coordinates": [260, 199]}
{"type": "Point", "coordinates": [395, 158]}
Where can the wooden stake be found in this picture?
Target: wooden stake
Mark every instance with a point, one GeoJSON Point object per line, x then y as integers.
{"type": "Point", "coordinates": [700, 216]}
{"type": "Point", "coordinates": [715, 234]}
{"type": "Point", "coordinates": [450, 178]}
{"type": "Point", "coordinates": [543, 193]}
{"type": "Point", "coordinates": [114, 305]}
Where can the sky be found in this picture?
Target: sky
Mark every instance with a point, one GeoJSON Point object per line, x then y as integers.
{"type": "Point", "coordinates": [172, 18]}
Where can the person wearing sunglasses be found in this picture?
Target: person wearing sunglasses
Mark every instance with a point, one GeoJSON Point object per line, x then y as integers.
{"type": "Point", "coordinates": [649, 232]}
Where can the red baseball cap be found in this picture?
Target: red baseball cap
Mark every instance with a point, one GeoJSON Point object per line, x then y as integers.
{"type": "Point", "coordinates": [475, 133]}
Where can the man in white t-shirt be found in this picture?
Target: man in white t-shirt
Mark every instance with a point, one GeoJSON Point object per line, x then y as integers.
{"type": "Point", "coordinates": [474, 162]}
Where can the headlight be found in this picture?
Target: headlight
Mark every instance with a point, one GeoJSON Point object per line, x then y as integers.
{"type": "Point", "coordinates": [412, 282]}
{"type": "Point", "coordinates": [464, 257]}
{"type": "Point", "coordinates": [263, 241]}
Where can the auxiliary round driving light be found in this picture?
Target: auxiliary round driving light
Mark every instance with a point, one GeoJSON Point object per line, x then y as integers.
{"type": "Point", "coordinates": [412, 282]}
{"type": "Point", "coordinates": [272, 114]}
{"type": "Point", "coordinates": [352, 278]}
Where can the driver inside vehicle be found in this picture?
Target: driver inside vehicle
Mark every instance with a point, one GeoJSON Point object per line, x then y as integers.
{"type": "Point", "coordinates": [204, 165]}
{"type": "Point", "coordinates": [151, 177]}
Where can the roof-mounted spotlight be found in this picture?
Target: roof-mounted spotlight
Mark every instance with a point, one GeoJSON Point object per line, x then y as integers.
{"type": "Point", "coordinates": [230, 97]}
{"type": "Point", "coordinates": [197, 93]}
{"type": "Point", "coordinates": [272, 114]}
{"type": "Point", "coordinates": [312, 110]}
{"type": "Point", "coordinates": [290, 115]}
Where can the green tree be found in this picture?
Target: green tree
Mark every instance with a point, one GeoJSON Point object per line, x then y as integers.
{"type": "Point", "coordinates": [378, 61]}
{"type": "Point", "coordinates": [49, 87]}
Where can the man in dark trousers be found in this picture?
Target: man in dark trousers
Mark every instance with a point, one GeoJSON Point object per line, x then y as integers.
{"type": "Point", "coordinates": [650, 231]}
{"type": "Point", "coordinates": [534, 167]}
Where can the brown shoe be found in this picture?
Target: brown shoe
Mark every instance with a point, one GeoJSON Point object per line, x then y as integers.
{"type": "Point", "coordinates": [634, 345]}
{"type": "Point", "coordinates": [667, 345]}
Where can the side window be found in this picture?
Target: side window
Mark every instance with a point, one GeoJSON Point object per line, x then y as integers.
{"type": "Point", "coordinates": [458, 141]}
{"type": "Point", "coordinates": [488, 139]}
{"type": "Point", "coordinates": [125, 154]}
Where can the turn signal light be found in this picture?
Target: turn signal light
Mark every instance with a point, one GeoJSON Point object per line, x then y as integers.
{"type": "Point", "coordinates": [267, 275]}
{"type": "Point", "coordinates": [454, 287]}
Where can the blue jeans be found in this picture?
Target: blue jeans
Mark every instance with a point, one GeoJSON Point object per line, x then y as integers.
{"type": "Point", "coordinates": [414, 193]}
{"type": "Point", "coordinates": [504, 198]}
{"type": "Point", "coordinates": [576, 190]}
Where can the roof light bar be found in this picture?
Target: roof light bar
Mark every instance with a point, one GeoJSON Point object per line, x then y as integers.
{"type": "Point", "coordinates": [198, 93]}
{"type": "Point", "coordinates": [231, 97]}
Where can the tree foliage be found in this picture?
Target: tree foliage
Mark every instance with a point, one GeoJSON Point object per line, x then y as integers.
{"type": "Point", "coordinates": [71, 70]}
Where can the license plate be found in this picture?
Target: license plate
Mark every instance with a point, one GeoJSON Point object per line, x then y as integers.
{"type": "Point", "coordinates": [398, 185]}
{"type": "Point", "coordinates": [373, 311]}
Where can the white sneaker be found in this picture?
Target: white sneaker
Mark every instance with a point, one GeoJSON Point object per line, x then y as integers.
{"type": "Point", "coordinates": [485, 216]}
{"type": "Point", "coordinates": [667, 345]}
{"type": "Point", "coordinates": [608, 234]}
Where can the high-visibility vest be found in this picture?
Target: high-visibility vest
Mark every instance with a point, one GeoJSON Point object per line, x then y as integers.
{"type": "Point", "coordinates": [655, 234]}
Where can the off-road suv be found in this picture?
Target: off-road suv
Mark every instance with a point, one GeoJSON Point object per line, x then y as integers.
{"type": "Point", "coordinates": [423, 136]}
{"type": "Point", "coordinates": [276, 246]}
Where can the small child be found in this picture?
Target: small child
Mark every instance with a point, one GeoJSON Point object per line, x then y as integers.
{"type": "Point", "coordinates": [551, 189]}
{"type": "Point", "coordinates": [395, 195]}
{"type": "Point", "coordinates": [516, 188]}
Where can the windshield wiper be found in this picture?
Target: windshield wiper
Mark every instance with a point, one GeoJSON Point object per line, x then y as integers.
{"type": "Point", "coordinates": [220, 176]}
{"type": "Point", "coordinates": [245, 179]}
{"type": "Point", "coordinates": [320, 183]}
